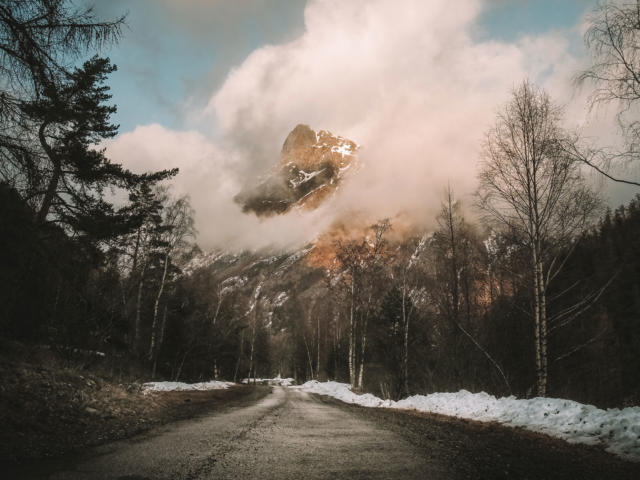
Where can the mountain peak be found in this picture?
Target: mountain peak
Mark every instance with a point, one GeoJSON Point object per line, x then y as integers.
{"type": "Point", "coordinates": [300, 137]}
{"type": "Point", "coordinates": [312, 166]}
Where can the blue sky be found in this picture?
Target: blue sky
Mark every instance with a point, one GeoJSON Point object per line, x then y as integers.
{"type": "Point", "coordinates": [175, 54]}
{"type": "Point", "coordinates": [509, 19]}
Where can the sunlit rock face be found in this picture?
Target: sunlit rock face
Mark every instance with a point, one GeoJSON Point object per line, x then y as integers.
{"type": "Point", "coordinates": [312, 166]}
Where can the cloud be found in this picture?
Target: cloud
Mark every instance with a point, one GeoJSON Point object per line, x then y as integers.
{"type": "Point", "coordinates": [208, 175]}
{"type": "Point", "coordinates": [410, 84]}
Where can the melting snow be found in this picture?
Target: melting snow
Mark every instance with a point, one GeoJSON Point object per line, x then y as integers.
{"type": "Point", "coordinates": [230, 284]}
{"type": "Point", "coordinates": [342, 391]}
{"type": "Point", "coordinates": [416, 254]}
{"type": "Point", "coordinates": [617, 430]}
{"type": "Point", "coordinates": [179, 386]}
{"type": "Point", "coordinates": [341, 170]}
{"type": "Point", "coordinates": [268, 261]}
{"type": "Point", "coordinates": [304, 177]}
{"type": "Point", "coordinates": [344, 149]}
{"type": "Point", "coordinates": [280, 299]}
{"type": "Point", "coordinates": [254, 302]}
{"type": "Point", "coordinates": [201, 261]}
{"type": "Point", "coordinates": [283, 382]}
{"type": "Point", "coordinates": [291, 259]}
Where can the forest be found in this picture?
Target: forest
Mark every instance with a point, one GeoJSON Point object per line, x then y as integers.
{"type": "Point", "coordinates": [530, 288]}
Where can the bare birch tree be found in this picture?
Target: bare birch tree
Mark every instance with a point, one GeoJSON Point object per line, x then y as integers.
{"type": "Point", "coordinates": [453, 239]}
{"type": "Point", "coordinates": [178, 229]}
{"type": "Point", "coordinates": [407, 277]}
{"type": "Point", "coordinates": [348, 255]}
{"type": "Point", "coordinates": [529, 185]}
{"type": "Point", "coordinates": [149, 202]}
{"type": "Point", "coordinates": [613, 39]}
{"type": "Point", "coordinates": [362, 262]}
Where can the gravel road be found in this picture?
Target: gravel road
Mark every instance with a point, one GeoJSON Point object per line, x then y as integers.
{"type": "Point", "coordinates": [294, 435]}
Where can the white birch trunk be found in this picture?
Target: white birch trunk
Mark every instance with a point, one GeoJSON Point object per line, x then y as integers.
{"type": "Point", "coordinates": [352, 377]}
{"type": "Point", "coordinates": [163, 324]}
{"type": "Point", "coordinates": [152, 344]}
{"type": "Point", "coordinates": [542, 391]}
{"type": "Point", "coordinates": [537, 317]}
{"type": "Point", "coordinates": [137, 325]}
{"type": "Point", "coordinates": [252, 367]}
{"type": "Point", "coordinates": [405, 337]}
{"type": "Point", "coordinates": [306, 346]}
{"type": "Point", "coordinates": [363, 347]}
{"type": "Point", "coordinates": [235, 373]}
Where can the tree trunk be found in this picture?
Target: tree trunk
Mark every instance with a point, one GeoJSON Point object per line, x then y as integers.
{"type": "Point", "coordinates": [363, 347]}
{"type": "Point", "coordinates": [336, 341]}
{"type": "Point", "coordinates": [136, 249]}
{"type": "Point", "coordinates": [55, 177]}
{"type": "Point", "coordinates": [306, 346]}
{"type": "Point", "coordinates": [541, 354]}
{"type": "Point", "coordinates": [405, 338]}
{"type": "Point", "coordinates": [542, 391]}
{"type": "Point", "coordinates": [352, 376]}
{"type": "Point", "coordinates": [489, 357]}
{"type": "Point", "coordinates": [235, 373]}
{"type": "Point", "coordinates": [123, 295]}
{"type": "Point", "coordinates": [184, 357]}
{"type": "Point", "coordinates": [465, 279]}
{"type": "Point", "coordinates": [163, 324]}
{"type": "Point", "coordinates": [537, 315]}
{"type": "Point", "coordinates": [219, 304]}
{"type": "Point", "coordinates": [56, 299]}
{"type": "Point", "coordinates": [253, 341]}
{"type": "Point", "coordinates": [152, 344]}
{"type": "Point", "coordinates": [454, 260]}
{"type": "Point", "coordinates": [455, 287]}
{"type": "Point", "coordinates": [213, 323]}
{"type": "Point", "coordinates": [318, 351]}
{"type": "Point", "coordinates": [137, 326]}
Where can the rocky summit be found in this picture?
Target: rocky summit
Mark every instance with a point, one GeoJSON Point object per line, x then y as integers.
{"type": "Point", "coordinates": [312, 166]}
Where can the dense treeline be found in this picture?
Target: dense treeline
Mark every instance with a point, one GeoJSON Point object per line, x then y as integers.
{"type": "Point", "coordinates": [603, 365]}
{"type": "Point", "coordinates": [540, 296]}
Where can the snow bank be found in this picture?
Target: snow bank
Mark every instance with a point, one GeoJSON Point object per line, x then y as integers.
{"type": "Point", "coordinates": [283, 382]}
{"type": "Point", "coordinates": [172, 386]}
{"type": "Point", "coordinates": [617, 430]}
{"type": "Point", "coordinates": [342, 391]}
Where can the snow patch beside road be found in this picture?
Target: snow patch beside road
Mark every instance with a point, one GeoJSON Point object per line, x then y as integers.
{"type": "Point", "coordinates": [342, 391]}
{"type": "Point", "coordinates": [283, 382]}
{"type": "Point", "coordinates": [179, 386]}
{"type": "Point", "coordinates": [617, 430]}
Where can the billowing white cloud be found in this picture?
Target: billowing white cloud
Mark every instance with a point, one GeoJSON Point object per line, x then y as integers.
{"type": "Point", "coordinates": [208, 176]}
{"type": "Point", "coordinates": [407, 81]}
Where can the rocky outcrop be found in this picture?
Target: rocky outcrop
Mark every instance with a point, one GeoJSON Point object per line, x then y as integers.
{"type": "Point", "coordinates": [312, 166]}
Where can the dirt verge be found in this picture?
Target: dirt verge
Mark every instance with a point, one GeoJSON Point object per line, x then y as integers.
{"type": "Point", "coordinates": [47, 410]}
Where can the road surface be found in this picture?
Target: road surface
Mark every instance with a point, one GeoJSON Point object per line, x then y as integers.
{"type": "Point", "coordinates": [290, 434]}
